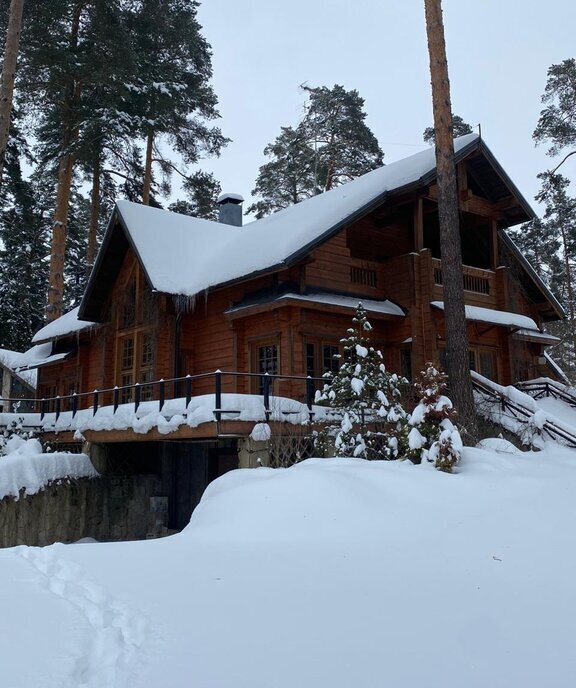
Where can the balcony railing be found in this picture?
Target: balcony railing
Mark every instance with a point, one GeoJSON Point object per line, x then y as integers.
{"type": "Point", "coordinates": [161, 391]}
{"type": "Point", "coordinates": [476, 280]}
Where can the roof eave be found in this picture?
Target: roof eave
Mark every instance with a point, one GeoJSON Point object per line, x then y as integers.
{"type": "Point", "coordinates": [556, 306]}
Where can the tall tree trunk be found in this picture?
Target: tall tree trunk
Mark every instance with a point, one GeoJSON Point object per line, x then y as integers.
{"type": "Point", "coordinates": [457, 359]}
{"type": "Point", "coordinates": [569, 288]}
{"type": "Point", "coordinates": [8, 74]}
{"type": "Point", "coordinates": [64, 184]}
{"type": "Point", "coordinates": [94, 215]}
{"type": "Point", "coordinates": [59, 232]}
{"type": "Point", "coordinates": [148, 168]}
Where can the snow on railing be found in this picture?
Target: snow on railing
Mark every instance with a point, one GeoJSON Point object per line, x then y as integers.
{"type": "Point", "coordinates": [519, 413]}
{"type": "Point", "coordinates": [545, 387]}
{"type": "Point", "coordinates": [60, 412]}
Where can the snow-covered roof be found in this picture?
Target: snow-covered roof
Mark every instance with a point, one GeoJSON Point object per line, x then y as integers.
{"type": "Point", "coordinates": [186, 255]}
{"type": "Point", "coordinates": [489, 315]}
{"type": "Point", "coordinates": [384, 307]}
{"type": "Point", "coordinates": [62, 326]}
{"type": "Point", "coordinates": [15, 360]}
{"type": "Point", "coordinates": [556, 368]}
{"type": "Point", "coordinates": [536, 336]}
{"type": "Point", "coordinates": [41, 355]}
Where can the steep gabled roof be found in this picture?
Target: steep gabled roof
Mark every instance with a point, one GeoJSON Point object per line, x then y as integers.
{"type": "Point", "coordinates": [185, 256]}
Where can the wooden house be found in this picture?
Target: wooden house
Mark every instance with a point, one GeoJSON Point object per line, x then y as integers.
{"type": "Point", "coordinates": [172, 295]}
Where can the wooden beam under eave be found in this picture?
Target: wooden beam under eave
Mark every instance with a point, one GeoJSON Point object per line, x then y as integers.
{"type": "Point", "coordinates": [418, 224]}
{"type": "Point", "coordinates": [494, 249]}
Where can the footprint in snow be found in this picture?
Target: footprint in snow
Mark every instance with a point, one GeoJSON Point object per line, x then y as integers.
{"type": "Point", "coordinates": [116, 632]}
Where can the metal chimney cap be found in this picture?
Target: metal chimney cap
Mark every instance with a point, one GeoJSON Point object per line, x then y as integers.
{"type": "Point", "coordinates": [230, 198]}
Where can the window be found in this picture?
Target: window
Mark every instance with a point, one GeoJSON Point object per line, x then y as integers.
{"type": "Point", "coordinates": [486, 363]}
{"type": "Point", "coordinates": [321, 357]}
{"type": "Point", "coordinates": [406, 363]}
{"type": "Point", "coordinates": [136, 364]}
{"type": "Point", "coordinates": [480, 360]}
{"type": "Point", "coordinates": [135, 344]}
{"type": "Point", "coordinates": [137, 304]}
{"type": "Point", "coordinates": [265, 360]}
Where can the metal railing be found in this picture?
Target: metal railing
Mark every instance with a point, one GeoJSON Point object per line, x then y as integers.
{"type": "Point", "coordinates": [523, 414]}
{"type": "Point", "coordinates": [548, 388]}
{"type": "Point", "coordinates": [157, 392]}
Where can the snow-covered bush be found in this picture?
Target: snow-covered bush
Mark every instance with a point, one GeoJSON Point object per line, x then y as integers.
{"type": "Point", "coordinates": [13, 435]}
{"type": "Point", "coordinates": [367, 398]}
{"type": "Point", "coordinates": [432, 435]}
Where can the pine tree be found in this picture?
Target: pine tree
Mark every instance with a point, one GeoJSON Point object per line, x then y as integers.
{"type": "Point", "coordinates": [331, 145]}
{"type": "Point", "coordinates": [560, 219]}
{"type": "Point", "coordinates": [457, 360]}
{"type": "Point", "coordinates": [345, 146]}
{"type": "Point", "coordinates": [23, 237]}
{"type": "Point", "coordinates": [76, 249]}
{"type": "Point", "coordinates": [289, 176]}
{"type": "Point", "coordinates": [202, 191]}
{"type": "Point", "coordinates": [367, 396]}
{"type": "Point", "coordinates": [459, 128]}
{"type": "Point", "coordinates": [9, 63]}
{"type": "Point", "coordinates": [432, 435]}
{"type": "Point", "coordinates": [171, 98]}
{"type": "Point", "coordinates": [557, 123]}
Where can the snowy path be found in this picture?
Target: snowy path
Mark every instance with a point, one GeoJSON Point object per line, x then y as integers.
{"type": "Point", "coordinates": [112, 633]}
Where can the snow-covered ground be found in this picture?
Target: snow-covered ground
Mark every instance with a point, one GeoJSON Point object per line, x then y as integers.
{"type": "Point", "coordinates": [335, 572]}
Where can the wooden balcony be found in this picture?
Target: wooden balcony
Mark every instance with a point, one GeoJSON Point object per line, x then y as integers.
{"type": "Point", "coordinates": [479, 285]}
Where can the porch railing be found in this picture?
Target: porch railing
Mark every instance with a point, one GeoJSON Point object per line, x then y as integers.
{"type": "Point", "coordinates": [476, 280]}
{"type": "Point", "coordinates": [163, 390]}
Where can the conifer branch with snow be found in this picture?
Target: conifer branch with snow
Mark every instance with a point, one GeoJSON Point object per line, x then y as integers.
{"type": "Point", "coordinates": [432, 436]}
{"type": "Point", "coordinates": [368, 398]}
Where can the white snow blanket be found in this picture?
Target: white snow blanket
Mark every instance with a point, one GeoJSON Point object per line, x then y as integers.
{"type": "Point", "coordinates": [245, 407]}
{"type": "Point", "coordinates": [197, 254]}
{"type": "Point", "coordinates": [26, 467]}
{"type": "Point", "coordinates": [335, 572]}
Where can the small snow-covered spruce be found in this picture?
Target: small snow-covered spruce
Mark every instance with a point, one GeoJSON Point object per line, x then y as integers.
{"type": "Point", "coordinates": [432, 435]}
{"type": "Point", "coordinates": [367, 397]}
{"type": "Point", "coordinates": [15, 429]}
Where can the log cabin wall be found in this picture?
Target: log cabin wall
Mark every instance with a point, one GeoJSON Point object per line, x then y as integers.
{"type": "Point", "coordinates": [391, 253]}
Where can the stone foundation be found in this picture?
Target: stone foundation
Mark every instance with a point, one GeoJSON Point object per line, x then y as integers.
{"type": "Point", "coordinates": [107, 508]}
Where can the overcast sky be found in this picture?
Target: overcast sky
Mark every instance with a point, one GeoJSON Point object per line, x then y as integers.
{"type": "Point", "coordinates": [498, 54]}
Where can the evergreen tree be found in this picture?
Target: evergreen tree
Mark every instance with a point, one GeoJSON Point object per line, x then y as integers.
{"type": "Point", "coordinates": [171, 97]}
{"type": "Point", "coordinates": [367, 396]}
{"type": "Point", "coordinates": [457, 358]}
{"type": "Point", "coordinates": [345, 146]}
{"type": "Point", "coordinates": [202, 191]}
{"type": "Point", "coordinates": [23, 266]}
{"type": "Point", "coordinates": [331, 146]}
{"type": "Point", "coordinates": [560, 219]}
{"type": "Point", "coordinates": [557, 123]}
{"type": "Point", "coordinates": [289, 177]}
{"type": "Point", "coordinates": [9, 63]}
{"type": "Point", "coordinates": [432, 435]}
{"type": "Point", "coordinates": [459, 128]}
{"type": "Point", "coordinates": [76, 249]}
